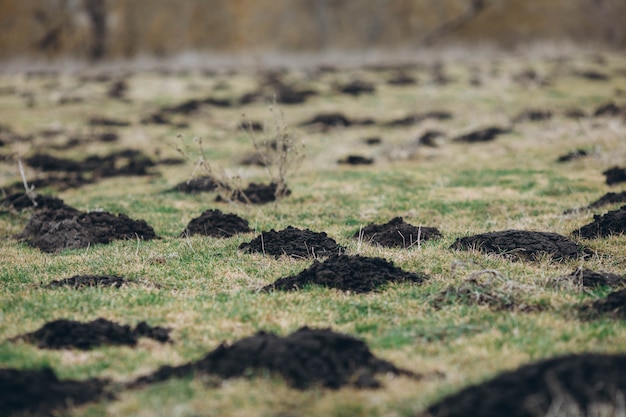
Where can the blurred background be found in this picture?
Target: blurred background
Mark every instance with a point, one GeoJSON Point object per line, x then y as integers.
{"type": "Point", "coordinates": [126, 29]}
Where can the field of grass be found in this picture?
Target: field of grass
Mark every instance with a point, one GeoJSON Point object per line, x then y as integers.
{"type": "Point", "coordinates": [204, 288]}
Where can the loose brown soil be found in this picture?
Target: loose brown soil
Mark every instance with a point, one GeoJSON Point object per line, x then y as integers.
{"type": "Point", "coordinates": [68, 228]}
{"type": "Point", "coordinates": [611, 223]}
{"type": "Point", "coordinates": [522, 244]}
{"type": "Point", "coordinates": [217, 224]}
{"type": "Point", "coordinates": [397, 233]}
{"type": "Point", "coordinates": [305, 358]}
{"type": "Point", "coordinates": [352, 273]}
{"type": "Point", "coordinates": [39, 392]}
{"type": "Point", "coordinates": [293, 242]}
{"type": "Point", "coordinates": [575, 381]}
{"type": "Point", "coordinates": [82, 281]}
{"type": "Point", "coordinates": [70, 334]}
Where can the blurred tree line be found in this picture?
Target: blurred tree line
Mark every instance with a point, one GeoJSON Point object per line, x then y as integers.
{"type": "Point", "coordinates": [98, 29]}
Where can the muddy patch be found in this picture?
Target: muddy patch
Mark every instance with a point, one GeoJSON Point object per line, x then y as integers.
{"type": "Point", "coordinates": [217, 224]}
{"type": "Point", "coordinates": [70, 334]}
{"type": "Point", "coordinates": [577, 384]}
{"type": "Point", "coordinates": [39, 392]}
{"type": "Point", "coordinates": [293, 242]}
{"type": "Point", "coordinates": [611, 223]}
{"type": "Point", "coordinates": [84, 281]}
{"type": "Point", "coordinates": [305, 358]}
{"type": "Point", "coordinates": [68, 228]}
{"type": "Point", "coordinates": [521, 244]}
{"type": "Point", "coordinates": [352, 273]}
{"type": "Point", "coordinates": [397, 233]}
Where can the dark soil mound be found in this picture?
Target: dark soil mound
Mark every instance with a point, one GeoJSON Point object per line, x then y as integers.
{"type": "Point", "coordinates": [82, 281]}
{"type": "Point", "coordinates": [397, 233]}
{"type": "Point", "coordinates": [329, 120]}
{"type": "Point", "coordinates": [615, 175]}
{"type": "Point", "coordinates": [429, 138]}
{"type": "Point", "coordinates": [356, 273]}
{"type": "Point", "coordinates": [533, 116]}
{"type": "Point", "coordinates": [39, 392]}
{"type": "Point", "coordinates": [305, 358]}
{"type": "Point", "coordinates": [586, 278]}
{"type": "Point", "coordinates": [21, 201]}
{"type": "Point", "coordinates": [608, 198]}
{"type": "Point", "coordinates": [68, 228]}
{"type": "Point", "coordinates": [197, 185]}
{"type": "Point", "coordinates": [293, 242]}
{"type": "Point", "coordinates": [103, 121]}
{"type": "Point", "coordinates": [611, 223]}
{"type": "Point", "coordinates": [419, 117]}
{"type": "Point", "coordinates": [580, 381]}
{"type": "Point", "coordinates": [67, 334]}
{"type": "Point", "coordinates": [610, 110]}
{"type": "Point", "coordinates": [258, 193]}
{"type": "Point", "coordinates": [483, 135]}
{"type": "Point", "coordinates": [215, 223]}
{"type": "Point", "coordinates": [614, 305]}
{"type": "Point", "coordinates": [356, 160]}
{"type": "Point", "coordinates": [521, 244]}
{"type": "Point", "coordinates": [357, 87]}
{"type": "Point", "coordinates": [572, 156]}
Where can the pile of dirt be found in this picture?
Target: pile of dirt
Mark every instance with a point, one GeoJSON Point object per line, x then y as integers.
{"type": "Point", "coordinates": [68, 334]}
{"type": "Point", "coordinates": [39, 392]}
{"type": "Point", "coordinates": [397, 233]}
{"type": "Point", "coordinates": [533, 115]}
{"type": "Point", "coordinates": [197, 185]}
{"type": "Point", "coordinates": [606, 199]}
{"type": "Point", "coordinates": [325, 121]}
{"type": "Point", "coordinates": [258, 194]}
{"type": "Point", "coordinates": [577, 384]}
{"type": "Point", "coordinates": [615, 175]}
{"type": "Point", "coordinates": [68, 228]}
{"type": "Point", "coordinates": [293, 242]}
{"type": "Point", "coordinates": [483, 135]}
{"type": "Point", "coordinates": [356, 160]}
{"type": "Point", "coordinates": [573, 155]}
{"type": "Point", "coordinates": [82, 281]}
{"type": "Point", "coordinates": [305, 358]}
{"type": "Point", "coordinates": [21, 201]}
{"type": "Point", "coordinates": [354, 273]}
{"type": "Point", "coordinates": [496, 293]}
{"type": "Point", "coordinates": [586, 278]}
{"type": "Point", "coordinates": [357, 87]}
{"type": "Point", "coordinates": [413, 119]}
{"type": "Point", "coordinates": [614, 305]}
{"type": "Point", "coordinates": [611, 223]}
{"type": "Point", "coordinates": [522, 244]}
{"type": "Point", "coordinates": [215, 223]}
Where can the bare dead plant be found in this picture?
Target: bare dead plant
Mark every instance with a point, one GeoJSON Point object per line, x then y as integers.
{"type": "Point", "coordinates": [29, 190]}
{"type": "Point", "coordinates": [279, 150]}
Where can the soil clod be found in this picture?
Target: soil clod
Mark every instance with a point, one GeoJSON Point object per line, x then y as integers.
{"type": "Point", "coordinates": [482, 135]}
{"type": "Point", "coordinates": [611, 223]}
{"type": "Point", "coordinates": [217, 224]}
{"type": "Point", "coordinates": [353, 273]}
{"type": "Point", "coordinates": [587, 278]}
{"type": "Point", "coordinates": [397, 233]}
{"type": "Point", "coordinates": [293, 242]}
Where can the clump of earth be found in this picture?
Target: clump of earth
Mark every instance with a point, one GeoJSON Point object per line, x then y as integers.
{"type": "Point", "coordinates": [82, 281]}
{"type": "Point", "coordinates": [522, 244]}
{"type": "Point", "coordinates": [217, 224]}
{"type": "Point", "coordinates": [305, 358]}
{"type": "Point", "coordinates": [39, 392]}
{"type": "Point", "coordinates": [293, 242]}
{"type": "Point", "coordinates": [589, 279]}
{"type": "Point", "coordinates": [200, 184]}
{"type": "Point", "coordinates": [22, 201]}
{"type": "Point", "coordinates": [258, 193]}
{"type": "Point", "coordinates": [483, 135]}
{"type": "Point", "coordinates": [611, 223]}
{"type": "Point", "coordinates": [397, 233]}
{"type": "Point", "coordinates": [354, 273]}
{"type": "Point", "coordinates": [608, 198]}
{"type": "Point", "coordinates": [613, 305]}
{"type": "Point", "coordinates": [579, 385]}
{"type": "Point", "coordinates": [68, 228]}
{"type": "Point", "coordinates": [67, 334]}
{"type": "Point", "coordinates": [615, 175]}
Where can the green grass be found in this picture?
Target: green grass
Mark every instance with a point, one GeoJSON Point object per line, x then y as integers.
{"type": "Point", "coordinates": [204, 289]}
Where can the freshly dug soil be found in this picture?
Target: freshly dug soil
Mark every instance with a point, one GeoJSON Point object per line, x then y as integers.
{"type": "Point", "coordinates": [611, 223]}
{"type": "Point", "coordinates": [397, 233]}
{"type": "Point", "coordinates": [614, 305]}
{"type": "Point", "coordinates": [82, 281]}
{"type": "Point", "coordinates": [533, 116]}
{"type": "Point", "coordinates": [608, 198]}
{"type": "Point", "coordinates": [521, 244]}
{"type": "Point", "coordinates": [581, 381]}
{"type": "Point", "coordinates": [305, 358]}
{"type": "Point", "coordinates": [586, 278]}
{"type": "Point", "coordinates": [68, 228]}
{"type": "Point", "coordinates": [483, 135]}
{"type": "Point", "coordinates": [39, 392]}
{"type": "Point", "coordinates": [215, 223]}
{"type": "Point", "coordinates": [293, 242]}
{"type": "Point", "coordinates": [615, 175]}
{"type": "Point", "coordinates": [573, 155]}
{"type": "Point", "coordinates": [353, 273]}
{"type": "Point", "coordinates": [67, 334]}
{"type": "Point", "coordinates": [357, 87]}
{"type": "Point", "coordinates": [21, 201]}
{"type": "Point", "coordinates": [258, 194]}
{"type": "Point", "coordinates": [356, 160]}
{"type": "Point", "coordinates": [197, 185]}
